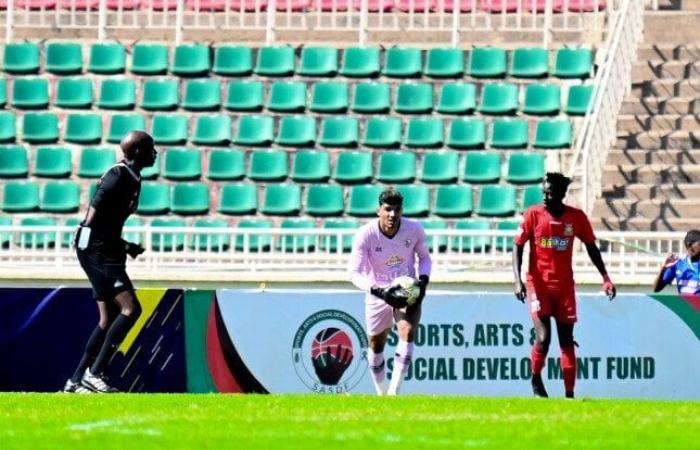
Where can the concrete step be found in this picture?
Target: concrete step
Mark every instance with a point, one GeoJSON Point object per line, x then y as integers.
{"type": "Point", "coordinates": [652, 140]}
{"type": "Point", "coordinates": [660, 105]}
{"type": "Point", "coordinates": [644, 223]}
{"type": "Point", "coordinates": [638, 191]}
{"type": "Point", "coordinates": [622, 174]}
{"type": "Point", "coordinates": [659, 69]}
{"type": "Point", "coordinates": [660, 122]}
{"type": "Point", "coordinates": [666, 88]}
{"type": "Point", "coordinates": [671, 27]}
{"type": "Point", "coordinates": [650, 209]}
{"type": "Point", "coordinates": [668, 52]}
{"type": "Point", "coordinates": [659, 156]}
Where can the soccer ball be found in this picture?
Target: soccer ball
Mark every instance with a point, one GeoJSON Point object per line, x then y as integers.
{"type": "Point", "coordinates": [408, 287]}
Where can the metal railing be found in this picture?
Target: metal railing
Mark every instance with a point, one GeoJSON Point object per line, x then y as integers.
{"type": "Point", "coordinates": [599, 129]}
{"type": "Point", "coordinates": [225, 253]}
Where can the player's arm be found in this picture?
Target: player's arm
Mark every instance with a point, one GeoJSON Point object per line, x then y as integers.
{"type": "Point", "coordinates": [425, 263]}
{"type": "Point", "coordinates": [358, 261]}
{"type": "Point", "coordinates": [524, 234]}
{"type": "Point", "coordinates": [106, 188]}
{"type": "Point", "coordinates": [586, 235]}
{"type": "Point", "coordinates": [667, 273]}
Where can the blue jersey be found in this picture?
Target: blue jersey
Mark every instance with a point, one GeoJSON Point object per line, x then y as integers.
{"type": "Point", "coordinates": [687, 276]}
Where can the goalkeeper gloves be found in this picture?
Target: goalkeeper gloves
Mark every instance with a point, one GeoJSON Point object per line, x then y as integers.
{"type": "Point", "coordinates": [390, 295]}
{"type": "Point", "coordinates": [422, 284]}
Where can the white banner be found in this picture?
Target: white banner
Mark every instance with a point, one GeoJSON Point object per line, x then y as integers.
{"type": "Point", "coordinates": [467, 344]}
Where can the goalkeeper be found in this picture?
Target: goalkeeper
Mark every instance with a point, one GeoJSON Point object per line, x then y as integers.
{"type": "Point", "coordinates": [102, 254]}
{"type": "Point", "coordinates": [384, 250]}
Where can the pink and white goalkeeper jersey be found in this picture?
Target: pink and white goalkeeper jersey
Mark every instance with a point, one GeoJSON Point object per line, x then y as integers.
{"type": "Point", "coordinates": [378, 260]}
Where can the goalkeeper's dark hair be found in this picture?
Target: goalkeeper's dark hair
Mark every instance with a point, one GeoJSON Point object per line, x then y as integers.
{"type": "Point", "coordinates": [691, 237]}
{"type": "Point", "coordinates": [558, 181]}
{"type": "Point", "coordinates": [391, 197]}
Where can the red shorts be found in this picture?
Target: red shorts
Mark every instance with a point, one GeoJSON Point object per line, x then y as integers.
{"type": "Point", "coordinates": [545, 301]}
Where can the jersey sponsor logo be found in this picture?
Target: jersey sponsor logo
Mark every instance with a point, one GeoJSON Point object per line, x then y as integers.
{"type": "Point", "coordinates": [394, 261]}
{"type": "Point", "coordinates": [568, 229]}
{"type": "Point", "coordinates": [555, 242]}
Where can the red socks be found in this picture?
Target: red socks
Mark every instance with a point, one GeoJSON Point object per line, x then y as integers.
{"type": "Point", "coordinates": [538, 360]}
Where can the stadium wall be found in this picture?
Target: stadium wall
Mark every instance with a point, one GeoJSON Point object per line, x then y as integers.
{"type": "Point", "coordinates": [313, 341]}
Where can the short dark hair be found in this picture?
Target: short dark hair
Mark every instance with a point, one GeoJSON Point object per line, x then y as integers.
{"type": "Point", "coordinates": [691, 237]}
{"type": "Point", "coordinates": [391, 197]}
{"type": "Point", "coordinates": [558, 181]}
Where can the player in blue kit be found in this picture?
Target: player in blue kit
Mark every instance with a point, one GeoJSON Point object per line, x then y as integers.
{"type": "Point", "coordinates": [686, 271]}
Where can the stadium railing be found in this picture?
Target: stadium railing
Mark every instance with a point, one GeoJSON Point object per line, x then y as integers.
{"type": "Point", "coordinates": [191, 253]}
{"type": "Point", "coordinates": [612, 82]}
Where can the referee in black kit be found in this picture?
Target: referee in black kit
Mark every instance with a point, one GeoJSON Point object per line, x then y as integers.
{"type": "Point", "coordinates": [102, 255]}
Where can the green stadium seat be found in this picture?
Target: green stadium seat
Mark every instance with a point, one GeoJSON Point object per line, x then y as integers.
{"type": "Point", "coordinates": [532, 195]}
{"type": "Point", "coordinates": [362, 201]}
{"type": "Point", "coordinates": [487, 62]}
{"type": "Point", "coordinates": [372, 98]}
{"type": "Point", "coordinates": [529, 62]}
{"type": "Point", "coordinates": [457, 98]}
{"type": "Point", "coordinates": [275, 62]}
{"type": "Point", "coordinates": [353, 167]}
{"type": "Point", "coordinates": [154, 199]}
{"type": "Point", "coordinates": [330, 242]}
{"type": "Point", "coordinates": [8, 127]}
{"type": "Point", "coordinates": [505, 244]}
{"type": "Point", "coordinates": [133, 236]}
{"type": "Point", "coordinates": [245, 95]}
{"type": "Point", "coordinates": [238, 199]}
{"type": "Point", "coordinates": [255, 130]}
{"type": "Point", "coordinates": [509, 133]}
{"type": "Point", "coordinates": [14, 162]}
{"type": "Point", "coordinates": [268, 165]}
{"type": "Point", "coordinates": [297, 131]}
{"type": "Point", "coordinates": [254, 242]}
{"type": "Point", "coordinates": [499, 98]}
{"type": "Point", "coordinates": [167, 241]}
{"type": "Point", "coordinates": [435, 243]}
{"type": "Point", "coordinates": [74, 92]}
{"type": "Point", "coordinates": [64, 58]}
{"type": "Point", "coordinates": [121, 124]}
{"type": "Point", "coordinates": [20, 196]}
{"type": "Point", "coordinates": [471, 244]}
{"type": "Point", "coordinates": [202, 95]}
{"type": "Point", "coordinates": [160, 95]}
{"type": "Point", "coordinates": [212, 129]}
{"type": "Point", "coordinates": [169, 129]}
{"type": "Point", "coordinates": [107, 58]}
{"type": "Point", "coordinates": [340, 132]}
{"type": "Point", "coordinates": [542, 99]}
{"type": "Point", "coordinates": [444, 63]}
{"type": "Point", "coordinates": [319, 61]}
{"type": "Point", "coordinates": [53, 162]}
{"type": "Point", "coordinates": [482, 167]}
{"type": "Point", "coordinates": [149, 59]}
{"type": "Point", "coordinates": [329, 97]}
{"type": "Point", "coordinates": [21, 58]}
{"type": "Point", "coordinates": [282, 199]}
{"type": "Point", "coordinates": [233, 61]}
{"type": "Point", "coordinates": [360, 62]}
{"type": "Point", "coordinates": [573, 63]}
{"type": "Point", "coordinates": [225, 164]}
{"type": "Point", "coordinates": [5, 237]}
{"type": "Point", "coordinates": [94, 161]}
{"type": "Point", "coordinates": [67, 237]}
{"type": "Point", "coordinates": [553, 134]}
{"type": "Point", "coordinates": [190, 198]}
{"type": "Point", "coordinates": [579, 99]}
{"type": "Point", "coordinates": [440, 167]}
{"type": "Point", "coordinates": [324, 200]}
{"type": "Point", "coordinates": [311, 166]}
{"type": "Point", "coordinates": [117, 93]}
{"type": "Point", "coordinates": [496, 200]}
{"type": "Point", "coordinates": [454, 200]}
{"type": "Point", "coordinates": [208, 242]}
{"type": "Point", "coordinates": [30, 93]}
{"type": "Point", "coordinates": [150, 173]}
{"type": "Point", "coordinates": [83, 128]}
{"type": "Point", "coordinates": [182, 164]}
{"type": "Point", "coordinates": [60, 197]}
{"type": "Point", "coordinates": [416, 200]}
{"type": "Point", "coordinates": [425, 133]}
{"type": "Point", "coordinates": [467, 134]}
{"type": "Point", "coordinates": [38, 239]}
{"type": "Point", "coordinates": [287, 96]}
{"type": "Point", "coordinates": [525, 168]}
{"type": "Point", "coordinates": [397, 167]}
{"type": "Point", "coordinates": [191, 60]}
{"type": "Point", "coordinates": [414, 98]}
{"type": "Point", "coordinates": [297, 243]}
{"type": "Point", "coordinates": [92, 188]}
{"type": "Point", "coordinates": [402, 62]}
{"type": "Point", "coordinates": [3, 92]}
{"type": "Point", "coordinates": [383, 132]}
{"type": "Point", "coordinates": [38, 128]}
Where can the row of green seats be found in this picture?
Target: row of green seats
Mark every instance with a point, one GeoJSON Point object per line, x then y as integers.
{"type": "Point", "coordinates": [400, 62]}
{"type": "Point", "coordinates": [293, 131]}
{"type": "Point", "coordinates": [291, 96]}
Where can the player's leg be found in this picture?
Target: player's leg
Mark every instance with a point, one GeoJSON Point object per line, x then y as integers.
{"type": "Point", "coordinates": [565, 331]}
{"type": "Point", "coordinates": [538, 355]}
{"type": "Point", "coordinates": [406, 323]}
{"type": "Point", "coordinates": [378, 318]}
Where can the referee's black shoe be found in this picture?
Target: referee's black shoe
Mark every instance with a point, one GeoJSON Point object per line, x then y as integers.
{"type": "Point", "coordinates": [538, 387]}
{"type": "Point", "coordinates": [97, 383]}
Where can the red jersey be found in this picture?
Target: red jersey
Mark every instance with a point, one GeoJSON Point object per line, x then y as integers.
{"type": "Point", "coordinates": [552, 243]}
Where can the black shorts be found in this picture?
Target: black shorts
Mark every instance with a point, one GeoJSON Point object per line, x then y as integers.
{"type": "Point", "coordinates": [106, 272]}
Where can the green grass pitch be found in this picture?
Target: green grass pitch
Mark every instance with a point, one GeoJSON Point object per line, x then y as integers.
{"type": "Point", "coordinates": [248, 422]}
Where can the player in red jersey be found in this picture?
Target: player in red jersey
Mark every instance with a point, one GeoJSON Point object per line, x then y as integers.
{"type": "Point", "coordinates": [550, 229]}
